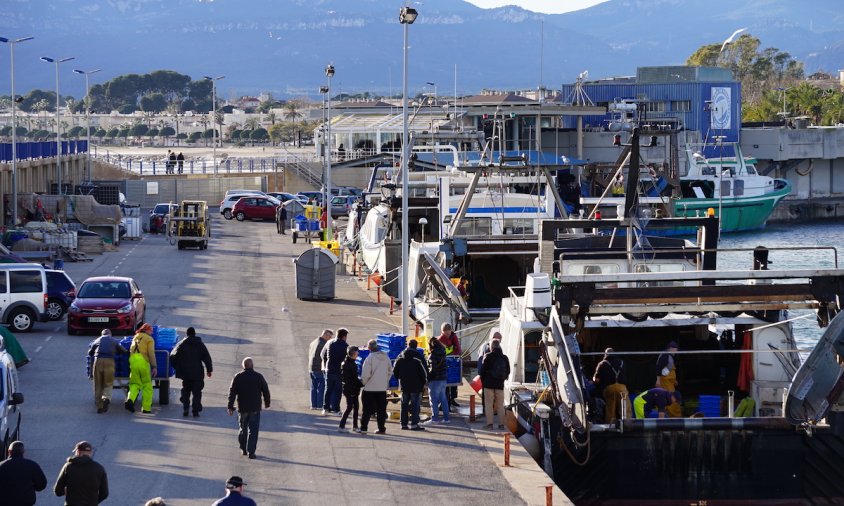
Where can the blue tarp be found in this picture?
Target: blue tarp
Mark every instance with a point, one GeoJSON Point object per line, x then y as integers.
{"type": "Point", "coordinates": [46, 149]}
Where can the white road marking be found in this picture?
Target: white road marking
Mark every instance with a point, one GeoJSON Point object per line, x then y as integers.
{"type": "Point", "coordinates": [47, 338]}
{"type": "Point", "coordinates": [38, 349]}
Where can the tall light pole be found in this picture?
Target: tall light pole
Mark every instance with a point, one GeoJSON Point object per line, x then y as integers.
{"type": "Point", "coordinates": [329, 236]}
{"type": "Point", "coordinates": [87, 73]}
{"type": "Point", "coordinates": [11, 44]}
{"type": "Point", "coordinates": [214, 117]}
{"type": "Point", "coordinates": [57, 61]}
{"type": "Point", "coordinates": [407, 16]}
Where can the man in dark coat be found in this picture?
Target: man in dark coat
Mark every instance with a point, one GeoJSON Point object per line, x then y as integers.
{"type": "Point", "coordinates": [281, 219]}
{"type": "Point", "coordinates": [82, 481]}
{"type": "Point", "coordinates": [494, 371]}
{"type": "Point", "coordinates": [247, 388]}
{"type": "Point", "coordinates": [20, 478]}
{"type": "Point", "coordinates": [333, 355]}
{"type": "Point", "coordinates": [412, 374]}
{"type": "Point", "coordinates": [172, 163]}
{"type": "Point", "coordinates": [188, 359]}
{"type": "Point", "coordinates": [181, 161]}
{"type": "Point", "coordinates": [436, 383]}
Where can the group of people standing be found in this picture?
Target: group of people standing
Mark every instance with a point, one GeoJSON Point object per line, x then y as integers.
{"type": "Point", "coordinates": [660, 401]}
{"type": "Point", "coordinates": [334, 372]}
{"type": "Point", "coordinates": [174, 161]}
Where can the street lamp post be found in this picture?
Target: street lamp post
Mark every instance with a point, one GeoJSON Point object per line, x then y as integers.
{"type": "Point", "coordinates": [11, 44]}
{"type": "Point", "coordinates": [58, 122]}
{"type": "Point", "coordinates": [329, 236]}
{"type": "Point", "coordinates": [87, 73]}
{"type": "Point", "coordinates": [214, 117]}
{"type": "Point", "coordinates": [407, 16]}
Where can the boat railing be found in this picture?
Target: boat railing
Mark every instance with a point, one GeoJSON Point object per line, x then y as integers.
{"type": "Point", "coordinates": [517, 300]}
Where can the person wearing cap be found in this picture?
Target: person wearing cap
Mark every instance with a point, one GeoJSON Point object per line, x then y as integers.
{"type": "Point", "coordinates": [412, 373]}
{"type": "Point", "coordinates": [375, 376]}
{"type": "Point", "coordinates": [234, 494]}
{"type": "Point", "coordinates": [247, 388]}
{"type": "Point", "coordinates": [188, 358]}
{"type": "Point", "coordinates": [82, 481]}
{"type": "Point", "coordinates": [655, 399]}
{"type": "Point", "coordinates": [666, 375]}
{"type": "Point", "coordinates": [103, 351]}
{"type": "Point", "coordinates": [351, 389]}
{"type": "Point", "coordinates": [141, 360]}
{"type": "Point", "coordinates": [611, 380]}
{"type": "Point", "coordinates": [20, 478]}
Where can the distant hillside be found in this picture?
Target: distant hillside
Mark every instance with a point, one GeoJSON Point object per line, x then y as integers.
{"type": "Point", "coordinates": [282, 46]}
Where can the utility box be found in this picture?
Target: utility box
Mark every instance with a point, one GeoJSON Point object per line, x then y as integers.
{"type": "Point", "coordinates": [316, 274]}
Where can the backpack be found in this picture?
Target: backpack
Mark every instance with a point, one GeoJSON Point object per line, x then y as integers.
{"type": "Point", "coordinates": [498, 368]}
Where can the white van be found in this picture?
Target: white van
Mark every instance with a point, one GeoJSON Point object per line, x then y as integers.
{"type": "Point", "coordinates": [10, 399]}
{"type": "Point", "coordinates": [23, 295]}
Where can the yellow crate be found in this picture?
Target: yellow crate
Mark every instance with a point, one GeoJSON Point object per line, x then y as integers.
{"type": "Point", "coordinates": [313, 212]}
{"type": "Point", "coordinates": [421, 341]}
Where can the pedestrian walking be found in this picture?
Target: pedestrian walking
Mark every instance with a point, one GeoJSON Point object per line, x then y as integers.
{"type": "Point", "coordinates": [351, 389]}
{"type": "Point", "coordinates": [452, 348]}
{"type": "Point", "coordinates": [188, 358]}
{"type": "Point", "coordinates": [316, 371]}
{"type": "Point", "coordinates": [180, 158]}
{"type": "Point", "coordinates": [375, 376]}
{"type": "Point", "coordinates": [103, 351]}
{"type": "Point", "coordinates": [172, 162]}
{"type": "Point", "coordinates": [234, 494]}
{"type": "Point", "coordinates": [247, 388]}
{"type": "Point", "coordinates": [436, 383]}
{"type": "Point", "coordinates": [333, 355]}
{"type": "Point", "coordinates": [142, 368]}
{"type": "Point", "coordinates": [495, 370]}
{"type": "Point", "coordinates": [281, 219]}
{"type": "Point", "coordinates": [496, 336]}
{"type": "Point", "coordinates": [82, 481]}
{"type": "Point", "coordinates": [20, 478]}
{"type": "Point", "coordinates": [412, 374]}
{"type": "Point", "coordinates": [167, 167]}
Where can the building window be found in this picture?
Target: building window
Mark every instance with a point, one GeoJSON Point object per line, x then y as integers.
{"type": "Point", "coordinates": [681, 105]}
{"type": "Point", "coordinates": [655, 106]}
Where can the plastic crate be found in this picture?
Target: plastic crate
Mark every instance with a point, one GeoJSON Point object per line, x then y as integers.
{"type": "Point", "coordinates": [454, 369]}
{"type": "Point", "coordinates": [710, 405]}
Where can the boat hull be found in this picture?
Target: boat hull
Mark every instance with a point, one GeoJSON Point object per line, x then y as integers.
{"type": "Point", "coordinates": [738, 214]}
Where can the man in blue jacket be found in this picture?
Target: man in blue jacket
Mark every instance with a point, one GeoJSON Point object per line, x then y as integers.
{"type": "Point", "coordinates": [411, 371]}
{"type": "Point", "coordinates": [20, 478]}
{"type": "Point", "coordinates": [333, 355]}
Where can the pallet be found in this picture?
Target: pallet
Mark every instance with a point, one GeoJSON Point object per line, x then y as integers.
{"type": "Point", "coordinates": [74, 256]}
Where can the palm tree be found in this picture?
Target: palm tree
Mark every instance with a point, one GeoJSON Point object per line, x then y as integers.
{"type": "Point", "coordinates": [292, 113]}
{"type": "Point", "coordinates": [252, 123]}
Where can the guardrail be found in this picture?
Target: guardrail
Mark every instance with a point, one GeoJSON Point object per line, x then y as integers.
{"type": "Point", "coordinates": [154, 167]}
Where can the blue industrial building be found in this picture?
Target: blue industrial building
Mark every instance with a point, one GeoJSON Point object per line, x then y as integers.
{"type": "Point", "coordinates": [705, 99]}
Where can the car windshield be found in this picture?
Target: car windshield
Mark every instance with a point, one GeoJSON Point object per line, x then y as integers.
{"type": "Point", "coordinates": [161, 209]}
{"type": "Point", "coordinates": [105, 290]}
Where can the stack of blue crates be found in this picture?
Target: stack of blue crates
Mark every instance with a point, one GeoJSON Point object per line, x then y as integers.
{"type": "Point", "coordinates": [121, 361]}
{"type": "Point", "coordinates": [710, 405]}
{"type": "Point", "coordinates": [392, 344]}
{"type": "Point", "coordinates": [454, 370]}
{"type": "Point", "coordinates": [165, 340]}
{"type": "Point", "coordinates": [362, 354]}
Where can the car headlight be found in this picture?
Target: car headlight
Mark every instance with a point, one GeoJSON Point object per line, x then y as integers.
{"type": "Point", "coordinates": [74, 308]}
{"type": "Point", "coordinates": [125, 309]}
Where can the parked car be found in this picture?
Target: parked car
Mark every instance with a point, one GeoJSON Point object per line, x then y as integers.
{"type": "Point", "coordinates": [23, 295]}
{"type": "Point", "coordinates": [284, 197]}
{"type": "Point", "coordinates": [315, 196]}
{"type": "Point", "coordinates": [228, 203]}
{"type": "Point", "coordinates": [10, 400]}
{"type": "Point", "coordinates": [346, 190]}
{"type": "Point", "coordinates": [110, 302]}
{"type": "Point", "coordinates": [61, 290]}
{"type": "Point", "coordinates": [158, 216]}
{"type": "Point", "coordinates": [244, 192]}
{"type": "Point", "coordinates": [340, 206]}
{"type": "Point", "coordinates": [255, 208]}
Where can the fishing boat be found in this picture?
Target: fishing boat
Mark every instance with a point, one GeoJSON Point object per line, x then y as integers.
{"type": "Point", "coordinates": [594, 289]}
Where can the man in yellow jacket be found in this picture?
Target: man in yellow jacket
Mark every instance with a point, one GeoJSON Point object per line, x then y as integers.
{"type": "Point", "coordinates": [141, 360]}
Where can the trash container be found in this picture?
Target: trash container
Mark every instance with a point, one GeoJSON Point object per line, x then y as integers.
{"type": "Point", "coordinates": [316, 274]}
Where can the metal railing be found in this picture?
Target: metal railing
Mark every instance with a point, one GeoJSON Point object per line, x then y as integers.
{"type": "Point", "coordinates": [158, 166]}
{"type": "Point", "coordinates": [295, 164]}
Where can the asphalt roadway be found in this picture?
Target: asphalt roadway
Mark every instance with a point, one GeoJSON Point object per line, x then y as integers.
{"type": "Point", "coordinates": [240, 297]}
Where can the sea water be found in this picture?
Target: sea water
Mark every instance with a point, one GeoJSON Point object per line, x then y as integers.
{"type": "Point", "coordinates": [802, 238]}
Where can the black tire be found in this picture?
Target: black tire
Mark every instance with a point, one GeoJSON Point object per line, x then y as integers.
{"type": "Point", "coordinates": [227, 214]}
{"type": "Point", "coordinates": [240, 216]}
{"type": "Point", "coordinates": [22, 320]}
{"type": "Point", "coordinates": [164, 392]}
{"type": "Point", "coordinates": [55, 309]}
{"type": "Point", "coordinates": [180, 245]}
{"type": "Point", "coordinates": [71, 332]}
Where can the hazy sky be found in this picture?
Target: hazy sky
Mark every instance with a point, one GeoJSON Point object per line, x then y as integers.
{"type": "Point", "coordinates": [546, 6]}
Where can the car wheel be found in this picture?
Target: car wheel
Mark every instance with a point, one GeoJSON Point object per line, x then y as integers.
{"type": "Point", "coordinates": [71, 332]}
{"type": "Point", "coordinates": [240, 216]}
{"type": "Point", "coordinates": [227, 214]}
{"type": "Point", "coordinates": [55, 309]}
{"type": "Point", "coordinates": [22, 320]}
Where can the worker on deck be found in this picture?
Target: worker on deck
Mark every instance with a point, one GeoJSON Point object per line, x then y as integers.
{"type": "Point", "coordinates": [618, 187]}
{"type": "Point", "coordinates": [658, 399]}
{"type": "Point", "coordinates": [666, 375]}
{"type": "Point", "coordinates": [610, 377]}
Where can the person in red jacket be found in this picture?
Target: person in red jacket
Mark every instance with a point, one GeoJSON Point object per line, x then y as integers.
{"type": "Point", "coordinates": [452, 348]}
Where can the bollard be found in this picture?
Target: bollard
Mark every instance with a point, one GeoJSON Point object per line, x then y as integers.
{"type": "Point", "coordinates": [507, 449]}
{"type": "Point", "coordinates": [472, 408]}
{"type": "Point", "coordinates": [368, 282]}
{"type": "Point", "coordinates": [549, 495]}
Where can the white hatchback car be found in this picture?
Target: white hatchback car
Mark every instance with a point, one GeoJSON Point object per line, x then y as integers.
{"type": "Point", "coordinates": [10, 399]}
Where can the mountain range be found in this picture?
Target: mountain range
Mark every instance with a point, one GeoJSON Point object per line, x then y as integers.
{"type": "Point", "coordinates": [282, 46]}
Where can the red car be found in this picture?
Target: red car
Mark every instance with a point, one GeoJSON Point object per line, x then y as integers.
{"type": "Point", "coordinates": [254, 208]}
{"type": "Point", "coordinates": [106, 302]}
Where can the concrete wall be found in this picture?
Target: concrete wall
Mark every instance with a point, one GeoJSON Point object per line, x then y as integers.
{"type": "Point", "coordinates": [149, 191]}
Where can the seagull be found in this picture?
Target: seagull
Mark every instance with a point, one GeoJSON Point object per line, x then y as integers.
{"type": "Point", "coordinates": [731, 38]}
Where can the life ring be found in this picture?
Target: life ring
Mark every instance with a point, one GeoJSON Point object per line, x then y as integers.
{"type": "Point", "coordinates": [808, 169]}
